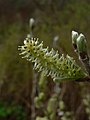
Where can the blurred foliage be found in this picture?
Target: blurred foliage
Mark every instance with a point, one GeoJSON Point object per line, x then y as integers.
{"type": "Point", "coordinates": [52, 18]}
{"type": "Point", "coordinates": [7, 111]}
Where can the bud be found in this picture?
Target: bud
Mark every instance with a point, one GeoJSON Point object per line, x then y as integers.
{"type": "Point", "coordinates": [81, 43]}
{"type": "Point", "coordinates": [41, 96]}
{"type": "Point", "coordinates": [41, 118]}
{"type": "Point", "coordinates": [31, 23]}
{"type": "Point", "coordinates": [37, 102]}
{"type": "Point", "coordinates": [61, 105]}
{"type": "Point", "coordinates": [74, 39]}
{"type": "Point", "coordinates": [51, 107]}
{"type": "Point", "coordinates": [56, 38]}
{"type": "Point", "coordinates": [81, 46]}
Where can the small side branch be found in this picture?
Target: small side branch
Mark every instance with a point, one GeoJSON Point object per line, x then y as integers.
{"type": "Point", "coordinates": [85, 79]}
{"type": "Point", "coordinates": [80, 46]}
{"type": "Point", "coordinates": [86, 63]}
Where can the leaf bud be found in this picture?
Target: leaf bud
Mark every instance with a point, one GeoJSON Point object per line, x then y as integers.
{"type": "Point", "coordinates": [74, 39]}
{"type": "Point", "coordinates": [81, 46]}
{"type": "Point", "coordinates": [31, 23]}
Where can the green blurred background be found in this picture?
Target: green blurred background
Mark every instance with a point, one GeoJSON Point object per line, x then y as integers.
{"type": "Point", "coordinates": [53, 18]}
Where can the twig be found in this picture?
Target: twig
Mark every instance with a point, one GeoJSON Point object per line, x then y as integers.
{"type": "Point", "coordinates": [86, 63]}
{"type": "Point", "coordinates": [33, 94]}
{"type": "Point", "coordinates": [34, 81]}
{"type": "Point", "coordinates": [80, 47]}
{"type": "Point", "coordinates": [85, 79]}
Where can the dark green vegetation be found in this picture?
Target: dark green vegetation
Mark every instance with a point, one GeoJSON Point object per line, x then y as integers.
{"type": "Point", "coordinates": [16, 75]}
{"type": "Point", "coordinates": [11, 111]}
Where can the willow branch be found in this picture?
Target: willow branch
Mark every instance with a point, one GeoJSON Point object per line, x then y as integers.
{"type": "Point", "coordinates": [85, 79]}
